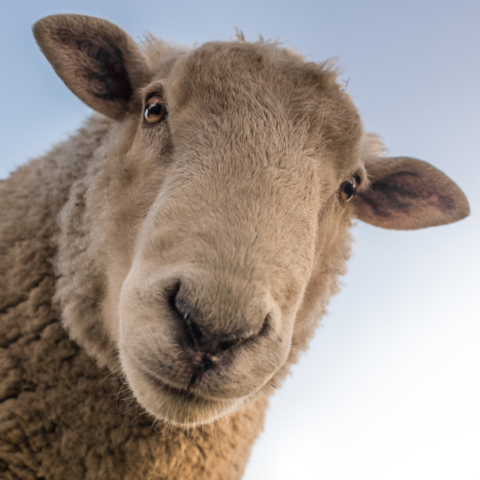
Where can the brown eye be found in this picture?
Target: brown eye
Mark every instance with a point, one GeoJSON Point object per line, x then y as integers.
{"type": "Point", "coordinates": [155, 110]}
{"type": "Point", "coordinates": [348, 189]}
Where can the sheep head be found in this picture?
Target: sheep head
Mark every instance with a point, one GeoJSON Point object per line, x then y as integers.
{"type": "Point", "coordinates": [219, 209]}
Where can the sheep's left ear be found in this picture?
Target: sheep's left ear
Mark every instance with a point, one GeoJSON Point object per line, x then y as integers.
{"type": "Point", "coordinates": [406, 194]}
{"type": "Point", "coordinates": [97, 60]}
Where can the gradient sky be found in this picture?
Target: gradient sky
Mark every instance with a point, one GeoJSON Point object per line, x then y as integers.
{"type": "Point", "coordinates": [390, 388]}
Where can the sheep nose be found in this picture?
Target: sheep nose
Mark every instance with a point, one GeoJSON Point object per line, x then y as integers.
{"type": "Point", "coordinates": [206, 345]}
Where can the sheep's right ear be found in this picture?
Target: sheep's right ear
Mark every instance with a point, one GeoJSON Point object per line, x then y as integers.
{"type": "Point", "coordinates": [97, 60]}
{"type": "Point", "coordinates": [405, 194]}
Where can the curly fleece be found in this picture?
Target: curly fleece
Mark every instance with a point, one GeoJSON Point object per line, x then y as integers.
{"type": "Point", "coordinates": [61, 415]}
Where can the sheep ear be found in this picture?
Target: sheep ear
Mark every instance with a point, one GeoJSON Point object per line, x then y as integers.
{"type": "Point", "coordinates": [406, 194]}
{"type": "Point", "coordinates": [97, 60]}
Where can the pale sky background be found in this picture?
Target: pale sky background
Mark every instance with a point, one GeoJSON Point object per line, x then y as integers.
{"type": "Point", "coordinates": [390, 388]}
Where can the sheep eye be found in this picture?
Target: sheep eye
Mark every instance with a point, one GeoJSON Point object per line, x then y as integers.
{"type": "Point", "coordinates": [348, 189]}
{"type": "Point", "coordinates": [155, 110]}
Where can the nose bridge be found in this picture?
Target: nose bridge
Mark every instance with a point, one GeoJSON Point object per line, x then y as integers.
{"type": "Point", "coordinates": [247, 243]}
{"type": "Point", "coordinates": [239, 229]}
{"type": "Point", "coordinates": [226, 303]}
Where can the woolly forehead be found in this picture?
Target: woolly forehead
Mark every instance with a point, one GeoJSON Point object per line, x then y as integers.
{"type": "Point", "coordinates": [270, 93]}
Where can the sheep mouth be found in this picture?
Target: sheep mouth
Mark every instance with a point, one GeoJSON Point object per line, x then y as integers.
{"type": "Point", "coordinates": [175, 391]}
{"type": "Point", "coordinates": [186, 394]}
{"type": "Point", "coordinates": [182, 407]}
{"type": "Point", "coordinates": [176, 405]}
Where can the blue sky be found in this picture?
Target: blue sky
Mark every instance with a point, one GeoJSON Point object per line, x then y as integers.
{"type": "Point", "coordinates": [390, 388]}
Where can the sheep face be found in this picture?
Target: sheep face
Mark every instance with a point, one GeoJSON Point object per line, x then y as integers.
{"type": "Point", "coordinates": [221, 208]}
{"type": "Point", "coordinates": [226, 251]}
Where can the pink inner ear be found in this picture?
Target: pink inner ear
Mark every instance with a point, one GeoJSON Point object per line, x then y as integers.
{"type": "Point", "coordinates": [103, 67]}
{"type": "Point", "coordinates": [401, 191]}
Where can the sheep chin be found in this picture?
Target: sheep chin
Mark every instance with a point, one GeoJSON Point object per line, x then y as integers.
{"type": "Point", "coordinates": [171, 405]}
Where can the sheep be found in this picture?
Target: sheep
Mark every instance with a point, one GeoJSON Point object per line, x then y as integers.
{"type": "Point", "coordinates": [170, 260]}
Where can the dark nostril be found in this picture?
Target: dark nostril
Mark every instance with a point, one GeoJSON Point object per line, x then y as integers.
{"type": "Point", "coordinates": [171, 294]}
{"type": "Point", "coordinates": [265, 326]}
{"type": "Point", "coordinates": [225, 345]}
{"type": "Point", "coordinates": [231, 341]}
{"type": "Point", "coordinates": [185, 314]}
{"type": "Point", "coordinates": [198, 338]}
{"type": "Point", "coordinates": [207, 363]}
{"type": "Point", "coordinates": [193, 328]}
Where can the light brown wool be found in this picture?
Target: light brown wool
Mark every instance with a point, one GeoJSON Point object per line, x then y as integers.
{"type": "Point", "coordinates": [169, 270]}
